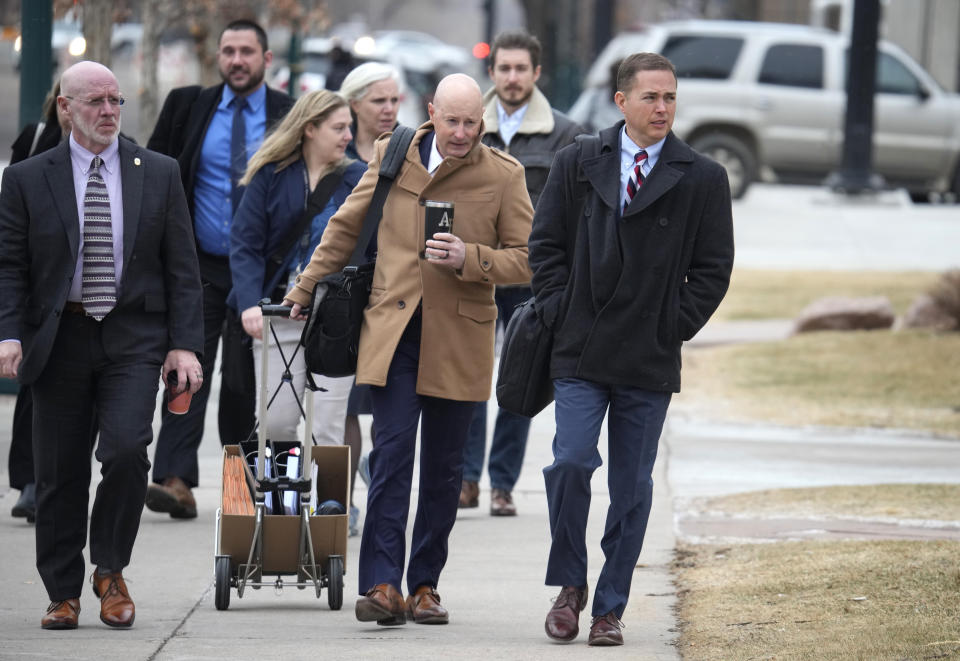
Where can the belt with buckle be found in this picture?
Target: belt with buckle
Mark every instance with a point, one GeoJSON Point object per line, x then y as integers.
{"type": "Point", "coordinates": [74, 307]}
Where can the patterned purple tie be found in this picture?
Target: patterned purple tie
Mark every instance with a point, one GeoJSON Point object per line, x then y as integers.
{"type": "Point", "coordinates": [636, 178]}
{"type": "Point", "coordinates": [99, 284]}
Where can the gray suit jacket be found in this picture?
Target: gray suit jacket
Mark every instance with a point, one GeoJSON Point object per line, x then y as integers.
{"type": "Point", "coordinates": [159, 299]}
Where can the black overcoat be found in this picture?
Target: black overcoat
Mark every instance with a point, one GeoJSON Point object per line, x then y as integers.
{"type": "Point", "coordinates": [623, 292]}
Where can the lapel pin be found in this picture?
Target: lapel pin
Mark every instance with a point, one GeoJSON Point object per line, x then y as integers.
{"type": "Point", "coordinates": [136, 161]}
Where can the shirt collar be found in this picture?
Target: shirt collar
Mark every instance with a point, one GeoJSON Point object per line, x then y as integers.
{"type": "Point", "coordinates": [83, 157]}
{"type": "Point", "coordinates": [628, 148]}
{"type": "Point", "coordinates": [435, 157]}
{"type": "Point", "coordinates": [516, 117]}
{"type": "Point", "coordinates": [255, 99]}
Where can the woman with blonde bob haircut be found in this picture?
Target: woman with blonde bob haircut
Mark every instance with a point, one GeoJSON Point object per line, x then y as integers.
{"type": "Point", "coordinates": [307, 148]}
{"type": "Point", "coordinates": [373, 92]}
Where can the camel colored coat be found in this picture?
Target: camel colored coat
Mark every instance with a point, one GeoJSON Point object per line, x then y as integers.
{"type": "Point", "coordinates": [492, 216]}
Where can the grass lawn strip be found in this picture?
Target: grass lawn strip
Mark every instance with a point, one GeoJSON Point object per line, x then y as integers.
{"type": "Point", "coordinates": [880, 502]}
{"type": "Point", "coordinates": [765, 294]}
{"type": "Point", "coordinates": [883, 379]}
{"type": "Point", "coordinates": [819, 601]}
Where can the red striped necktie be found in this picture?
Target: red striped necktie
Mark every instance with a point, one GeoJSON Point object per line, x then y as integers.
{"type": "Point", "coordinates": [636, 178]}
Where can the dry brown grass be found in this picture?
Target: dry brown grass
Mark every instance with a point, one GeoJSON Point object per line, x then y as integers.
{"type": "Point", "coordinates": [938, 502]}
{"type": "Point", "coordinates": [819, 601]}
{"type": "Point", "coordinates": [883, 379]}
{"type": "Point", "coordinates": [763, 294]}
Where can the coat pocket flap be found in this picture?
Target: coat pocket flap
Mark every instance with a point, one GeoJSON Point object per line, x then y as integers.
{"type": "Point", "coordinates": [477, 310]}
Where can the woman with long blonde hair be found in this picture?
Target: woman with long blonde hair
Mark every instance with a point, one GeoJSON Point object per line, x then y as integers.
{"type": "Point", "coordinates": [294, 183]}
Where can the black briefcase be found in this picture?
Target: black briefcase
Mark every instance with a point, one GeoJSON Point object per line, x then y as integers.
{"type": "Point", "coordinates": [524, 385]}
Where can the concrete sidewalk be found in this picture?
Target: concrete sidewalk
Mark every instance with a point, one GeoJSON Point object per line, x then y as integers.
{"type": "Point", "coordinates": [492, 585]}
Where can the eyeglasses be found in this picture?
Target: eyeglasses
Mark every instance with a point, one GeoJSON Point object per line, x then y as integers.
{"type": "Point", "coordinates": [115, 101]}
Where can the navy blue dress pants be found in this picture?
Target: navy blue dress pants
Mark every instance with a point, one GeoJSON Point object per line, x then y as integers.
{"type": "Point", "coordinates": [397, 410]}
{"type": "Point", "coordinates": [635, 420]}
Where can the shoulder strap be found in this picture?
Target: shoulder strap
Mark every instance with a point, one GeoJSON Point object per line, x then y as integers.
{"type": "Point", "coordinates": [315, 204]}
{"type": "Point", "coordinates": [589, 145]}
{"type": "Point", "coordinates": [389, 167]}
{"type": "Point", "coordinates": [36, 137]}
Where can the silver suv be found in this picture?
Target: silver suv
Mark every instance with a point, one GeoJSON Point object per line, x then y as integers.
{"type": "Point", "coordinates": [767, 100]}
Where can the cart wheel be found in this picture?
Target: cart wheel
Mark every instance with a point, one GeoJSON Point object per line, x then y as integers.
{"type": "Point", "coordinates": [335, 582]}
{"type": "Point", "coordinates": [221, 594]}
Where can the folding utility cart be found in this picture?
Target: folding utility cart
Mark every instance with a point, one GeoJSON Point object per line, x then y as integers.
{"type": "Point", "coordinates": [251, 542]}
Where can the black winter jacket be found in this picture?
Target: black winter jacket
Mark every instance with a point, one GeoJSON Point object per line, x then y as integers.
{"type": "Point", "coordinates": [622, 293]}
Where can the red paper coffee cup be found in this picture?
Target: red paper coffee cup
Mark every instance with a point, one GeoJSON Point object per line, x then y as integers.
{"type": "Point", "coordinates": [178, 404]}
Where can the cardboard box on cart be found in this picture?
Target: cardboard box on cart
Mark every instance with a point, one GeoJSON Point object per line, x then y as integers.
{"type": "Point", "coordinates": [281, 532]}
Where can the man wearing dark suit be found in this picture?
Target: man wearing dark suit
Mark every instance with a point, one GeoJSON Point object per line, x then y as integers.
{"type": "Point", "coordinates": [99, 298]}
{"type": "Point", "coordinates": [212, 132]}
{"type": "Point", "coordinates": [631, 252]}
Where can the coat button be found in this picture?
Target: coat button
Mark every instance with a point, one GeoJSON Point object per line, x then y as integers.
{"type": "Point", "coordinates": [663, 222]}
{"type": "Point", "coordinates": [401, 304]}
{"type": "Point", "coordinates": [485, 263]}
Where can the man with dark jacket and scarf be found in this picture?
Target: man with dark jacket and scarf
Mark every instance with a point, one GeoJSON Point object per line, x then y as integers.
{"type": "Point", "coordinates": [631, 252]}
{"type": "Point", "coordinates": [518, 120]}
{"type": "Point", "coordinates": [212, 132]}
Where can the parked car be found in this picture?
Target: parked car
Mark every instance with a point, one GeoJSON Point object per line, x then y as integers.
{"type": "Point", "coordinates": [69, 46]}
{"type": "Point", "coordinates": [414, 49]}
{"type": "Point", "coordinates": [768, 99]}
{"type": "Point", "coordinates": [317, 60]}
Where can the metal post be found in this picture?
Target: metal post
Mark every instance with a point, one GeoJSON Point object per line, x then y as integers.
{"type": "Point", "coordinates": [294, 58]}
{"type": "Point", "coordinates": [855, 175]}
{"type": "Point", "coordinates": [490, 9]}
{"type": "Point", "coordinates": [602, 25]}
{"type": "Point", "coordinates": [36, 58]}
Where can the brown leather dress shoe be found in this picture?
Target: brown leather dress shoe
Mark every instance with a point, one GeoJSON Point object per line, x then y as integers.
{"type": "Point", "coordinates": [605, 630]}
{"type": "Point", "coordinates": [563, 619]}
{"type": "Point", "coordinates": [383, 604]}
{"type": "Point", "coordinates": [423, 607]}
{"type": "Point", "coordinates": [173, 496]}
{"type": "Point", "coordinates": [469, 494]}
{"type": "Point", "coordinates": [116, 606]}
{"type": "Point", "coordinates": [501, 503]}
{"type": "Point", "coordinates": [61, 615]}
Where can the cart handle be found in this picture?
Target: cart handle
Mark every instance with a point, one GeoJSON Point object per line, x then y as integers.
{"type": "Point", "coordinates": [275, 310]}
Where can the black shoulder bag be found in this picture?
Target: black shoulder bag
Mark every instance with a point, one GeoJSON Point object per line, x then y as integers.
{"type": "Point", "coordinates": [524, 385]}
{"type": "Point", "coordinates": [331, 336]}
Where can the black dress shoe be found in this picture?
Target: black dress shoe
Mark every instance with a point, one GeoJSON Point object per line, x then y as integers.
{"type": "Point", "coordinates": [26, 506]}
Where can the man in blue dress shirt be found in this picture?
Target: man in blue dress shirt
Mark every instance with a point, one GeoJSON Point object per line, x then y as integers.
{"type": "Point", "coordinates": [212, 132]}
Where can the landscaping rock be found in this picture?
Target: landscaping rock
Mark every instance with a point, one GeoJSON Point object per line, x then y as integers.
{"type": "Point", "coordinates": [925, 312]}
{"type": "Point", "coordinates": [842, 313]}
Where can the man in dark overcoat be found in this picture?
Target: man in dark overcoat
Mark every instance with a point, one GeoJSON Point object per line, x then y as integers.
{"type": "Point", "coordinates": [631, 252]}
